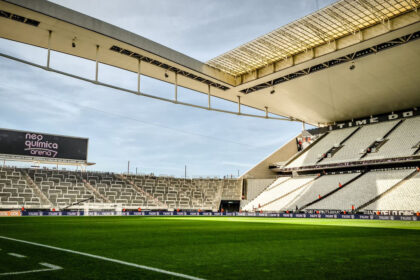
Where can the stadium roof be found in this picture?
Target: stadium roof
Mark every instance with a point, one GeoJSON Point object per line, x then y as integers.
{"type": "Point", "coordinates": [324, 26]}
{"type": "Point", "coordinates": [302, 71]}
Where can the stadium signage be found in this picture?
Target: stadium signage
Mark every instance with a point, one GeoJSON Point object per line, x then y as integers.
{"type": "Point", "coordinates": [37, 147]}
{"type": "Point", "coordinates": [42, 146]}
{"type": "Point", "coordinates": [72, 214]}
{"type": "Point", "coordinates": [54, 214]}
{"type": "Point", "coordinates": [376, 119]}
{"type": "Point", "coordinates": [12, 213]}
{"type": "Point", "coordinates": [34, 214]}
{"type": "Point", "coordinates": [237, 214]}
{"type": "Point", "coordinates": [391, 212]}
{"type": "Point", "coordinates": [365, 217]}
{"type": "Point", "coordinates": [314, 216]}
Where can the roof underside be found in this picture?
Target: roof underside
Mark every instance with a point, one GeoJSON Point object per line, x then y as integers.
{"type": "Point", "coordinates": [340, 19]}
{"type": "Point", "coordinates": [352, 59]}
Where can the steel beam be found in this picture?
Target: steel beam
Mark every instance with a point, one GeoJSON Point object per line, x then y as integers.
{"type": "Point", "coordinates": [96, 63]}
{"type": "Point", "coordinates": [138, 75]}
{"type": "Point", "coordinates": [49, 49]}
{"type": "Point", "coordinates": [142, 94]}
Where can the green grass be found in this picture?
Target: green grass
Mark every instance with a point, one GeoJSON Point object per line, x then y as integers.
{"type": "Point", "coordinates": [214, 247]}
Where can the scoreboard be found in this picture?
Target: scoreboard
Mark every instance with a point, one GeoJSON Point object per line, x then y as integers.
{"type": "Point", "coordinates": [42, 145]}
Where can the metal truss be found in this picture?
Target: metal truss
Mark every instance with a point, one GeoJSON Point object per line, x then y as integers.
{"type": "Point", "coordinates": [336, 61]}
{"type": "Point", "coordinates": [138, 92]}
{"type": "Point", "coordinates": [134, 55]}
{"type": "Point", "coordinates": [166, 67]}
{"type": "Point", "coordinates": [338, 20]}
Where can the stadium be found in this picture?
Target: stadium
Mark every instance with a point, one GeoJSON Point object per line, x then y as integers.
{"type": "Point", "coordinates": [339, 200]}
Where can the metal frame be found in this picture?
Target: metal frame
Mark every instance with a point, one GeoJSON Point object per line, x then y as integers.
{"type": "Point", "coordinates": [166, 66]}
{"type": "Point", "coordinates": [340, 19]}
{"type": "Point", "coordinates": [138, 92]}
{"type": "Point", "coordinates": [42, 160]}
{"type": "Point", "coordinates": [328, 64]}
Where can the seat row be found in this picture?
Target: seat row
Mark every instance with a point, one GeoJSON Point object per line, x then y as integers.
{"type": "Point", "coordinates": [396, 139]}
{"type": "Point", "coordinates": [64, 188]}
{"type": "Point", "coordinates": [397, 189]}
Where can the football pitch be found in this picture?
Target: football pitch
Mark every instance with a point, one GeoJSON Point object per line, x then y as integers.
{"type": "Point", "coordinates": [207, 248]}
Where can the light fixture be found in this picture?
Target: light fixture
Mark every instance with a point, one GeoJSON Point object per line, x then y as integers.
{"type": "Point", "coordinates": [73, 42]}
{"type": "Point", "coordinates": [166, 75]}
{"type": "Point", "coordinates": [272, 91]}
{"type": "Point", "coordinates": [352, 66]}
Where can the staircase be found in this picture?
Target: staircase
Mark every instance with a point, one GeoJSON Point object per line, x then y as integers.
{"type": "Point", "coordinates": [334, 150]}
{"type": "Point", "coordinates": [94, 190]}
{"type": "Point", "coordinates": [416, 151]}
{"type": "Point", "coordinates": [292, 191]}
{"type": "Point", "coordinates": [140, 190]}
{"type": "Point", "coordinates": [382, 142]}
{"type": "Point", "coordinates": [411, 175]}
{"type": "Point", "coordinates": [266, 188]}
{"type": "Point", "coordinates": [218, 199]}
{"type": "Point", "coordinates": [44, 199]}
{"type": "Point", "coordinates": [77, 203]}
{"type": "Point", "coordinates": [331, 192]}
{"type": "Point", "coordinates": [298, 154]}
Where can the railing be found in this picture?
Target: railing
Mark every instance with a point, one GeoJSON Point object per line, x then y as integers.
{"type": "Point", "coordinates": [354, 163]}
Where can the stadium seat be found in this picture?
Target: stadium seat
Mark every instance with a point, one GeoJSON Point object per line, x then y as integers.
{"type": "Point", "coordinates": [362, 190]}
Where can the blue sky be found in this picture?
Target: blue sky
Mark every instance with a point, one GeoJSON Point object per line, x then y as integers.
{"type": "Point", "coordinates": [155, 136]}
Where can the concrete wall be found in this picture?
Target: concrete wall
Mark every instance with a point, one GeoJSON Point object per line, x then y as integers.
{"type": "Point", "coordinates": [224, 189]}
{"type": "Point", "coordinates": [254, 187]}
{"type": "Point", "coordinates": [261, 170]}
{"type": "Point", "coordinates": [231, 189]}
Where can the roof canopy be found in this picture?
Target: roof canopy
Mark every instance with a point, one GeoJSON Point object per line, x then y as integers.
{"type": "Point", "coordinates": [352, 59]}
{"type": "Point", "coordinates": [322, 27]}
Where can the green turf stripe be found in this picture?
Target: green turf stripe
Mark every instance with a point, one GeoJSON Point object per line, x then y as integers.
{"type": "Point", "coordinates": [106, 259]}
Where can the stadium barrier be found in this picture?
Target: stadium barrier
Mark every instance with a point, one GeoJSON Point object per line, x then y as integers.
{"type": "Point", "coordinates": [11, 213]}
{"type": "Point", "coordinates": [216, 214]}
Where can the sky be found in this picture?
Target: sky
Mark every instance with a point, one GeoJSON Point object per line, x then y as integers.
{"type": "Point", "coordinates": [155, 136]}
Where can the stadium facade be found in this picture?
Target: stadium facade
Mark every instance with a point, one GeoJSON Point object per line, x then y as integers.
{"type": "Point", "coordinates": [350, 69]}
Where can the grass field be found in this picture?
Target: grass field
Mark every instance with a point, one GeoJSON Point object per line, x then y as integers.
{"type": "Point", "coordinates": [208, 248]}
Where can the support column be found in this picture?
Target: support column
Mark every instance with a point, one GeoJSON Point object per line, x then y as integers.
{"type": "Point", "coordinates": [389, 25]}
{"type": "Point", "coordinates": [334, 44]}
{"type": "Point", "coordinates": [138, 76]}
{"type": "Point", "coordinates": [49, 48]}
{"type": "Point", "coordinates": [266, 112]}
{"type": "Point", "coordinates": [97, 64]}
{"type": "Point", "coordinates": [239, 105]}
{"type": "Point", "coordinates": [360, 34]}
{"type": "Point", "coordinates": [176, 87]}
{"type": "Point", "coordinates": [208, 91]}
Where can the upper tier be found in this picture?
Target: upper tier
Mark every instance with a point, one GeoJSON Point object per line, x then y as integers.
{"type": "Point", "coordinates": [386, 140]}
